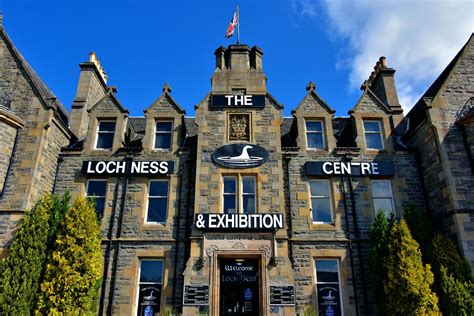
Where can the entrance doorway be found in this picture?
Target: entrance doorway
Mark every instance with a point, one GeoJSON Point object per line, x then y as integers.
{"type": "Point", "coordinates": [239, 287]}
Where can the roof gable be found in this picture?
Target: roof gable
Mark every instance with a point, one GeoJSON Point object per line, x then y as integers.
{"type": "Point", "coordinates": [312, 101]}
{"type": "Point", "coordinates": [46, 95]}
{"type": "Point", "coordinates": [369, 103]}
{"type": "Point", "coordinates": [109, 103]}
{"type": "Point", "coordinates": [166, 101]}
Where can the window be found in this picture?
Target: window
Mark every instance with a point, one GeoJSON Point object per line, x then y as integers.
{"type": "Point", "coordinates": [105, 135]}
{"type": "Point", "coordinates": [149, 287]}
{"type": "Point", "coordinates": [239, 191]}
{"type": "Point", "coordinates": [321, 201]}
{"type": "Point", "coordinates": [157, 201]}
{"type": "Point", "coordinates": [382, 196]}
{"type": "Point", "coordinates": [163, 135]}
{"type": "Point", "coordinates": [96, 190]}
{"type": "Point", "coordinates": [327, 287]}
{"type": "Point", "coordinates": [373, 135]}
{"type": "Point", "coordinates": [315, 134]}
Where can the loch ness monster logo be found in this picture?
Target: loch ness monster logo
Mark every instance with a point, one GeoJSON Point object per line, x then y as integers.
{"type": "Point", "coordinates": [240, 156]}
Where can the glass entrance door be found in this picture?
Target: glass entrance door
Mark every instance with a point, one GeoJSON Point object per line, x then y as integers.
{"type": "Point", "coordinates": [239, 287]}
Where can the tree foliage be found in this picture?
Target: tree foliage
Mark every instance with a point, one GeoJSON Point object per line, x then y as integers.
{"type": "Point", "coordinates": [378, 251]}
{"type": "Point", "coordinates": [408, 282]}
{"type": "Point", "coordinates": [457, 297]}
{"type": "Point", "coordinates": [21, 271]}
{"type": "Point", "coordinates": [73, 271]}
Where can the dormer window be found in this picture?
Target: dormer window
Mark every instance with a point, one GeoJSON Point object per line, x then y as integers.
{"type": "Point", "coordinates": [163, 134]}
{"type": "Point", "coordinates": [373, 134]}
{"type": "Point", "coordinates": [105, 134]}
{"type": "Point", "coordinates": [315, 135]}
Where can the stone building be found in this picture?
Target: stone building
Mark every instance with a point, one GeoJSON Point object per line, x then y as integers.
{"type": "Point", "coordinates": [33, 129]}
{"type": "Point", "coordinates": [239, 210]}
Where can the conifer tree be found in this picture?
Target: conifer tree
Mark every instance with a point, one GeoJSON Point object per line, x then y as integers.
{"type": "Point", "coordinates": [408, 282]}
{"type": "Point", "coordinates": [457, 297]}
{"type": "Point", "coordinates": [20, 271]}
{"type": "Point", "coordinates": [378, 251]}
{"type": "Point", "coordinates": [74, 268]}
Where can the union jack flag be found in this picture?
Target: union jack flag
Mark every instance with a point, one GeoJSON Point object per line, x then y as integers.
{"type": "Point", "coordinates": [233, 23]}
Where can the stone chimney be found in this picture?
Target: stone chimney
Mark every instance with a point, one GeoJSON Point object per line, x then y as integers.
{"type": "Point", "coordinates": [90, 89]}
{"type": "Point", "coordinates": [239, 69]}
{"type": "Point", "coordinates": [382, 83]}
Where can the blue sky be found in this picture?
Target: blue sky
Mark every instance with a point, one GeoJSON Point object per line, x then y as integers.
{"type": "Point", "coordinates": [143, 44]}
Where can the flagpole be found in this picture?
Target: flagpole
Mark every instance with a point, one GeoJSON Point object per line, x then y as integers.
{"type": "Point", "coordinates": [238, 26]}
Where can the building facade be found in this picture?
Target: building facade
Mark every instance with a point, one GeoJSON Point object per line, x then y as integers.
{"type": "Point", "coordinates": [239, 210]}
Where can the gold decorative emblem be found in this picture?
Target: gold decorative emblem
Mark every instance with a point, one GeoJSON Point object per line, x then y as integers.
{"type": "Point", "coordinates": [239, 128]}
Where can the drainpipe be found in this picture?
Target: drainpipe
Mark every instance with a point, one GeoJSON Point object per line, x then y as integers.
{"type": "Point", "coordinates": [351, 255]}
{"type": "Point", "coordinates": [290, 217]}
{"type": "Point", "coordinates": [119, 244]}
{"type": "Point", "coordinates": [178, 221]}
{"type": "Point", "coordinates": [10, 163]}
{"type": "Point", "coordinates": [357, 240]}
{"type": "Point", "coordinates": [108, 248]}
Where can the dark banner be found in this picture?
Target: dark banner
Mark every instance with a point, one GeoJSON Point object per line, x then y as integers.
{"type": "Point", "coordinates": [217, 221]}
{"type": "Point", "coordinates": [127, 167]}
{"type": "Point", "coordinates": [357, 169]}
{"type": "Point", "coordinates": [238, 101]}
{"type": "Point", "coordinates": [240, 156]}
{"type": "Point", "coordinates": [329, 300]}
{"type": "Point", "coordinates": [149, 299]}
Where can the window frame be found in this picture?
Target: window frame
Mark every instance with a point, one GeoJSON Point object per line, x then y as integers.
{"type": "Point", "coordinates": [329, 184]}
{"type": "Point", "coordinates": [380, 133]}
{"type": "Point", "coordinates": [322, 132]}
{"type": "Point", "coordinates": [338, 279]}
{"type": "Point", "coordinates": [239, 192]}
{"type": "Point", "coordinates": [96, 196]}
{"type": "Point", "coordinates": [140, 260]}
{"type": "Point", "coordinates": [387, 213]}
{"type": "Point", "coordinates": [156, 133]}
{"type": "Point", "coordinates": [157, 197]}
{"type": "Point", "coordinates": [104, 132]}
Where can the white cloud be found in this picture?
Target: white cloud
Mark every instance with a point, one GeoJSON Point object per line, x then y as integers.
{"type": "Point", "coordinates": [419, 38]}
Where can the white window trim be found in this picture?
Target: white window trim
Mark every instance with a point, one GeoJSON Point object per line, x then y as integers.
{"type": "Point", "coordinates": [380, 134]}
{"type": "Point", "coordinates": [170, 132]}
{"type": "Point", "coordinates": [106, 132]}
{"type": "Point", "coordinates": [329, 184]}
{"type": "Point", "coordinates": [323, 132]}
{"type": "Point", "coordinates": [385, 197]}
{"type": "Point", "coordinates": [239, 192]}
{"type": "Point", "coordinates": [90, 196]}
{"type": "Point", "coordinates": [338, 278]}
{"type": "Point", "coordinates": [153, 196]}
{"type": "Point", "coordinates": [137, 285]}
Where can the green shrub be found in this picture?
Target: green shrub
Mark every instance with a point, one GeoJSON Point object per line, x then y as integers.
{"type": "Point", "coordinates": [457, 297]}
{"type": "Point", "coordinates": [408, 282]}
{"type": "Point", "coordinates": [310, 311]}
{"type": "Point", "coordinates": [74, 268]}
{"type": "Point", "coordinates": [21, 270]}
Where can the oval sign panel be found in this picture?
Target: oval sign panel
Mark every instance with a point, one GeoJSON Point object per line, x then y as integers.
{"type": "Point", "coordinates": [240, 156]}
